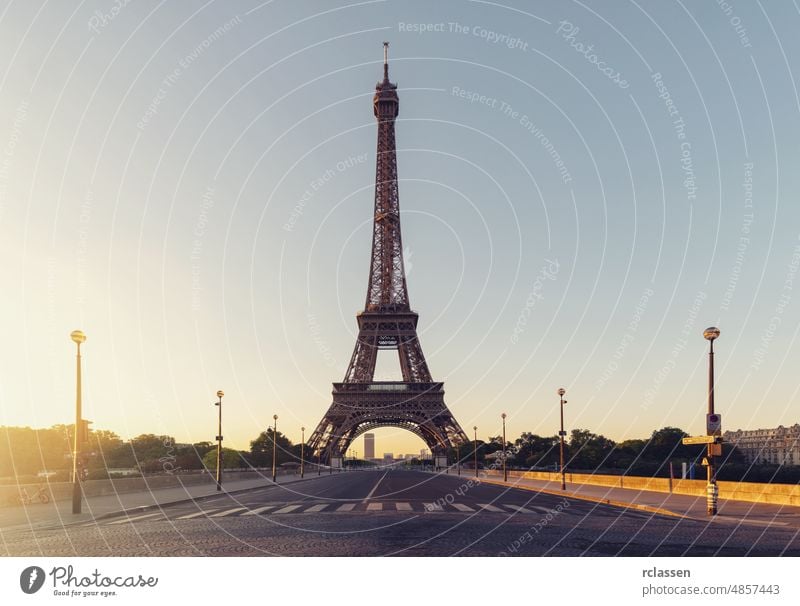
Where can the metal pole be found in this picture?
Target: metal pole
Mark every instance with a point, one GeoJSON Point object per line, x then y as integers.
{"type": "Point", "coordinates": [302, 449]}
{"type": "Point", "coordinates": [561, 434]}
{"type": "Point", "coordinates": [711, 488]}
{"type": "Point", "coordinates": [219, 441]}
{"type": "Point", "coordinates": [76, 450]}
{"type": "Point", "coordinates": [475, 450]}
{"type": "Point", "coordinates": [319, 462]}
{"type": "Point", "coordinates": [275, 448]}
{"type": "Point", "coordinates": [458, 458]}
{"type": "Point", "coordinates": [505, 469]}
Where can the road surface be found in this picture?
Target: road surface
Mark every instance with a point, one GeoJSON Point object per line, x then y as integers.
{"type": "Point", "coordinates": [400, 513]}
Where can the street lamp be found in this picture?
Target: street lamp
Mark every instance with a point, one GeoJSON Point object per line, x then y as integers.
{"type": "Point", "coordinates": [302, 449]}
{"type": "Point", "coordinates": [220, 393]}
{"type": "Point", "coordinates": [712, 492]}
{"type": "Point", "coordinates": [458, 457]}
{"type": "Point", "coordinates": [274, 448]}
{"type": "Point", "coordinates": [475, 443]}
{"type": "Point", "coordinates": [78, 337]}
{"type": "Point", "coordinates": [561, 434]}
{"type": "Point", "coordinates": [505, 469]}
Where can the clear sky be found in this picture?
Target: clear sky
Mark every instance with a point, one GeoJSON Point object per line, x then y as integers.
{"type": "Point", "coordinates": [584, 188]}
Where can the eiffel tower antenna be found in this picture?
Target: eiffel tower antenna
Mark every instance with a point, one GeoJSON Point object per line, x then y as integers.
{"type": "Point", "coordinates": [360, 403]}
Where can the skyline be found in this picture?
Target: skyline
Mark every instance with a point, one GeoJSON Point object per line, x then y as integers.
{"type": "Point", "coordinates": [204, 216]}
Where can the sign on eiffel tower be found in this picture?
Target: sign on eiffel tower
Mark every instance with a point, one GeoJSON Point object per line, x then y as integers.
{"type": "Point", "coordinates": [360, 403]}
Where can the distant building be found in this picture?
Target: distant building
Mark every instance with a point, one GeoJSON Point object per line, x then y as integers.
{"type": "Point", "coordinates": [778, 446]}
{"type": "Point", "coordinates": [388, 458]}
{"type": "Point", "coordinates": [369, 446]}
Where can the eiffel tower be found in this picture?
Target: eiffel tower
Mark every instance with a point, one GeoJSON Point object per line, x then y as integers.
{"type": "Point", "coordinates": [360, 403]}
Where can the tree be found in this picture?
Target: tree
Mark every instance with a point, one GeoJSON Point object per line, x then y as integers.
{"type": "Point", "coordinates": [231, 459]}
{"type": "Point", "coordinates": [588, 450]}
{"type": "Point", "coordinates": [261, 449]}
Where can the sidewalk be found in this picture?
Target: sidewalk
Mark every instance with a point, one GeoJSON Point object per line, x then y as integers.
{"type": "Point", "coordinates": [59, 513]}
{"type": "Point", "coordinates": [664, 503]}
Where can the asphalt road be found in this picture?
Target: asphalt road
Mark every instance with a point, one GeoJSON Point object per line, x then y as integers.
{"type": "Point", "coordinates": [377, 513]}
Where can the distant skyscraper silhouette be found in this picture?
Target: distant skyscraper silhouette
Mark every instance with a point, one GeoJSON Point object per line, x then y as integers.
{"type": "Point", "coordinates": [369, 446]}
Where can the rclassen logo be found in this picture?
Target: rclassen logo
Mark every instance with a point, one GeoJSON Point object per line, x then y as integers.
{"type": "Point", "coordinates": [31, 579]}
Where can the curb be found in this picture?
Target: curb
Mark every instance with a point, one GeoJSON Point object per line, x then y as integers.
{"type": "Point", "coordinates": [613, 502]}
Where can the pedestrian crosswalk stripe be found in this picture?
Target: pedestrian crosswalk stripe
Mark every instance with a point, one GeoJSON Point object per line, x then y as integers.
{"type": "Point", "coordinates": [315, 508]}
{"type": "Point", "coordinates": [227, 512]}
{"type": "Point", "coordinates": [461, 507]}
{"type": "Point", "coordinates": [487, 507]}
{"type": "Point", "coordinates": [133, 519]}
{"type": "Point", "coordinates": [433, 507]}
{"type": "Point", "coordinates": [197, 514]}
{"type": "Point", "coordinates": [403, 507]}
{"type": "Point", "coordinates": [288, 509]}
{"type": "Point", "coordinates": [257, 510]}
{"type": "Point", "coordinates": [519, 509]}
{"type": "Point", "coordinates": [346, 507]}
{"type": "Point", "coordinates": [375, 507]}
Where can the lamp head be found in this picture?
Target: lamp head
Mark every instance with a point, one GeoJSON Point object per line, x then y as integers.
{"type": "Point", "coordinates": [711, 333]}
{"type": "Point", "coordinates": [302, 429]}
{"type": "Point", "coordinates": [220, 393]}
{"type": "Point", "coordinates": [475, 428]}
{"type": "Point", "coordinates": [503, 416]}
{"type": "Point", "coordinates": [77, 336]}
{"type": "Point", "coordinates": [561, 391]}
{"type": "Point", "coordinates": [274, 417]}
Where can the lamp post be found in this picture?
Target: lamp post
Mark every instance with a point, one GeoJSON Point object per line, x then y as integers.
{"type": "Point", "coordinates": [505, 469]}
{"type": "Point", "coordinates": [319, 462]}
{"type": "Point", "coordinates": [712, 492]}
{"type": "Point", "coordinates": [561, 434]}
{"type": "Point", "coordinates": [458, 457]}
{"type": "Point", "coordinates": [78, 337]}
{"type": "Point", "coordinates": [475, 443]}
{"type": "Point", "coordinates": [302, 449]}
{"type": "Point", "coordinates": [220, 393]}
{"type": "Point", "coordinates": [275, 448]}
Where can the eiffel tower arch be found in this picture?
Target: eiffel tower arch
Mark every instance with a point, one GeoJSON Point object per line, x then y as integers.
{"type": "Point", "coordinates": [360, 403]}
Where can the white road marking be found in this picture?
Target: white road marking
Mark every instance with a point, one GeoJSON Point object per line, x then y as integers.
{"type": "Point", "coordinates": [462, 507]}
{"type": "Point", "coordinates": [288, 509]}
{"type": "Point", "coordinates": [520, 509]}
{"type": "Point", "coordinates": [126, 520]}
{"type": "Point", "coordinates": [195, 515]}
{"type": "Point", "coordinates": [487, 507]}
{"type": "Point", "coordinates": [315, 508]}
{"type": "Point", "coordinates": [375, 507]}
{"type": "Point", "coordinates": [433, 507]}
{"type": "Point", "coordinates": [257, 510]}
{"type": "Point", "coordinates": [374, 488]}
{"type": "Point", "coordinates": [403, 507]}
{"type": "Point", "coordinates": [346, 507]}
{"type": "Point", "coordinates": [227, 512]}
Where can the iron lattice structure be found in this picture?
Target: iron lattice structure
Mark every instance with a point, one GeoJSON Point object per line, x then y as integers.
{"type": "Point", "coordinates": [360, 403]}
